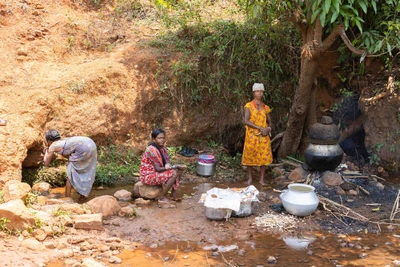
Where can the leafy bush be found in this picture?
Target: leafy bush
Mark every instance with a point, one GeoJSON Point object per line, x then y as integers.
{"type": "Point", "coordinates": [55, 174]}
{"type": "Point", "coordinates": [116, 165]}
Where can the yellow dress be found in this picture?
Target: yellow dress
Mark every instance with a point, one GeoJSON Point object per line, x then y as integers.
{"type": "Point", "coordinates": [257, 148]}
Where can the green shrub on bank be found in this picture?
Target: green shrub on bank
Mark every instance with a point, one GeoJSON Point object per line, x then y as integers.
{"type": "Point", "coordinates": [55, 174]}
{"type": "Point", "coordinates": [116, 164]}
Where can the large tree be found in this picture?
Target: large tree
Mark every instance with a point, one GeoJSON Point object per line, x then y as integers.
{"type": "Point", "coordinates": [366, 27]}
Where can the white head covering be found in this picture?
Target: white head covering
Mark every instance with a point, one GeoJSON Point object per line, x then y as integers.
{"type": "Point", "coordinates": [258, 87]}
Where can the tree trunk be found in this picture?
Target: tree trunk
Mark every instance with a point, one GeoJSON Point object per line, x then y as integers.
{"type": "Point", "coordinates": [311, 118]}
{"type": "Point", "coordinates": [298, 112]}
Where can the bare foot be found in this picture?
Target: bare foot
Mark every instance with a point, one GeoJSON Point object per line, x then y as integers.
{"type": "Point", "coordinates": [263, 183]}
{"type": "Point", "coordinates": [174, 197]}
{"type": "Point", "coordinates": [250, 181]}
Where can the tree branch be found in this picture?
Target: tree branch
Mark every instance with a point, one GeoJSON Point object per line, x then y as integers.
{"type": "Point", "coordinates": [318, 32]}
{"type": "Point", "coordinates": [328, 42]}
{"type": "Point", "coordinates": [349, 45]}
{"type": "Point", "coordinates": [298, 23]}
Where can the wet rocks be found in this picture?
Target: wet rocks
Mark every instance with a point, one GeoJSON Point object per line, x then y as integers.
{"type": "Point", "coordinates": [107, 205]}
{"type": "Point", "coordinates": [146, 191]}
{"type": "Point", "coordinates": [123, 195]}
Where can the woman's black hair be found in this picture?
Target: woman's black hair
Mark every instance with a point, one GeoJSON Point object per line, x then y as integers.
{"type": "Point", "coordinates": [52, 135]}
{"type": "Point", "coordinates": [156, 132]}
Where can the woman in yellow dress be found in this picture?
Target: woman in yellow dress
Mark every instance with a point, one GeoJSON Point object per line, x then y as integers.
{"type": "Point", "coordinates": [257, 146]}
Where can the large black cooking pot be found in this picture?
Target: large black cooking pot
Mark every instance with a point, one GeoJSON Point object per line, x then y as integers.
{"type": "Point", "coordinates": [323, 152]}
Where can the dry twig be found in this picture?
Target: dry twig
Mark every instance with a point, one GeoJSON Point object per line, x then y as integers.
{"type": "Point", "coordinates": [291, 163]}
{"type": "Point", "coordinates": [377, 177]}
{"type": "Point", "coordinates": [395, 208]}
{"type": "Point", "coordinates": [344, 211]}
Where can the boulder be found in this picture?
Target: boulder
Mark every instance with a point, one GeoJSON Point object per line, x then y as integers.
{"type": "Point", "coordinates": [298, 174]}
{"type": "Point", "coordinates": [146, 191]}
{"type": "Point", "coordinates": [14, 189]}
{"type": "Point", "coordinates": [123, 195]}
{"type": "Point", "coordinates": [17, 215]}
{"type": "Point", "coordinates": [331, 178]}
{"type": "Point", "coordinates": [88, 221]}
{"type": "Point", "coordinates": [42, 188]}
{"type": "Point", "coordinates": [107, 205]}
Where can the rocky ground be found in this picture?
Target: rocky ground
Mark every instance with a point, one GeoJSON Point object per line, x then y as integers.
{"type": "Point", "coordinates": [184, 225]}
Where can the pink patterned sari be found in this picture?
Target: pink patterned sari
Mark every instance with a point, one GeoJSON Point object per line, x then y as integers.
{"type": "Point", "coordinates": [148, 174]}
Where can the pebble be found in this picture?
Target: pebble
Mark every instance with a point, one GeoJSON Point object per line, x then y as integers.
{"type": "Point", "coordinates": [363, 255]}
{"type": "Point", "coordinates": [241, 252]}
{"type": "Point", "coordinates": [271, 259]}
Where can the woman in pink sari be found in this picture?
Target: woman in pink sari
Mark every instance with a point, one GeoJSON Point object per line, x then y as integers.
{"type": "Point", "coordinates": [156, 168]}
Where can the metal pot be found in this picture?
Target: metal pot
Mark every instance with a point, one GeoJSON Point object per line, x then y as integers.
{"type": "Point", "coordinates": [323, 157]}
{"type": "Point", "coordinates": [217, 214]}
{"type": "Point", "coordinates": [299, 199]}
{"type": "Point", "coordinates": [246, 209]}
{"type": "Point", "coordinates": [323, 152]}
{"type": "Point", "coordinates": [205, 169]}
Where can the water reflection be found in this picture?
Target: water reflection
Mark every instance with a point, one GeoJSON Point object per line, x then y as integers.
{"type": "Point", "coordinates": [298, 242]}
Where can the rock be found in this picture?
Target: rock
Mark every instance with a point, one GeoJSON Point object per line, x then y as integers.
{"type": "Point", "coordinates": [114, 259]}
{"type": "Point", "coordinates": [15, 190]}
{"type": "Point", "coordinates": [331, 178]}
{"type": "Point", "coordinates": [378, 185]}
{"type": "Point", "coordinates": [363, 255]}
{"type": "Point", "coordinates": [241, 252]}
{"type": "Point", "coordinates": [32, 244]}
{"type": "Point", "coordinates": [107, 205]}
{"type": "Point", "coordinates": [17, 214]}
{"type": "Point", "coordinates": [90, 262]}
{"type": "Point", "coordinates": [271, 260]}
{"type": "Point", "coordinates": [348, 186]}
{"type": "Point", "coordinates": [88, 221]}
{"type": "Point", "coordinates": [39, 234]}
{"type": "Point", "coordinates": [298, 174]}
{"type": "Point", "coordinates": [73, 207]}
{"type": "Point", "coordinates": [146, 191]}
{"type": "Point", "coordinates": [340, 191]}
{"type": "Point", "coordinates": [352, 192]}
{"type": "Point", "coordinates": [123, 195]}
{"type": "Point", "coordinates": [42, 188]}
{"type": "Point", "coordinates": [128, 211]}
{"type": "Point", "coordinates": [141, 201]}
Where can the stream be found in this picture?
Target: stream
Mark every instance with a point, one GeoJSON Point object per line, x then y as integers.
{"type": "Point", "coordinates": [181, 234]}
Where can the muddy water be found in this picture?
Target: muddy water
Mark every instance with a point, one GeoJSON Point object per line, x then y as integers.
{"type": "Point", "coordinates": [307, 249]}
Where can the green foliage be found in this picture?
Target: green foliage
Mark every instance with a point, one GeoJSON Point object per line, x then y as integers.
{"type": "Point", "coordinates": [375, 27]}
{"type": "Point", "coordinates": [3, 225]}
{"type": "Point", "coordinates": [31, 198]}
{"type": "Point", "coordinates": [173, 150]}
{"type": "Point", "coordinates": [116, 165]}
{"type": "Point", "coordinates": [222, 59]}
{"type": "Point", "coordinates": [55, 174]}
{"type": "Point", "coordinates": [60, 212]}
{"type": "Point", "coordinates": [230, 162]}
{"type": "Point", "coordinates": [374, 153]}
